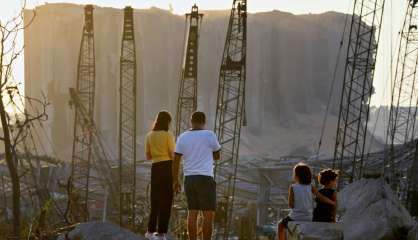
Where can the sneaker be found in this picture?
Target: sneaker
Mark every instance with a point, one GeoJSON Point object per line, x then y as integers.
{"type": "Point", "coordinates": [149, 236]}
{"type": "Point", "coordinates": [161, 237]}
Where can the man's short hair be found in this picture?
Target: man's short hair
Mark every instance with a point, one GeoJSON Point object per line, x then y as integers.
{"type": "Point", "coordinates": [198, 118]}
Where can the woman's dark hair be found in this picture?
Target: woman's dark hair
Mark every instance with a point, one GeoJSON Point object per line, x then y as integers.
{"type": "Point", "coordinates": [303, 172]}
{"type": "Point", "coordinates": [162, 121]}
{"type": "Point", "coordinates": [326, 176]}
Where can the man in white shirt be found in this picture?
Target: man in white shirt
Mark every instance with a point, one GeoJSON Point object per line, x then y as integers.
{"type": "Point", "coordinates": [199, 148]}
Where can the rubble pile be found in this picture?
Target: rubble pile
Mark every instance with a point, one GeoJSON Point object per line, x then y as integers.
{"type": "Point", "coordinates": [100, 231]}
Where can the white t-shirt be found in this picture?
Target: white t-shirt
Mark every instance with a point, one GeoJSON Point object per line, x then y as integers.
{"type": "Point", "coordinates": [197, 148]}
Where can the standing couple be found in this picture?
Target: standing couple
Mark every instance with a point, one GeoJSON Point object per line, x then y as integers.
{"type": "Point", "coordinates": [198, 148]}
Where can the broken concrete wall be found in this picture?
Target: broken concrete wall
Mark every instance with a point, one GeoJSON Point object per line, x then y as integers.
{"type": "Point", "coordinates": [290, 63]}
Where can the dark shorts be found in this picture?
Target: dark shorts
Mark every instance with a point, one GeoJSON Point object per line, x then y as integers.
{"type": "Point", "coordinates": [200, 192]}
{"type": "Point", "coordinates": [285, 221]}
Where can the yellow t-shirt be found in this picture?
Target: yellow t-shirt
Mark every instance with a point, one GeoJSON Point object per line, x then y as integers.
{"type": "Point", "coordinates": [160, 144]}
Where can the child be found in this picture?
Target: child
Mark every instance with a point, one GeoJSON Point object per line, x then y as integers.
{"type": "Point", "coordinates": [300, 198]}
{"type": "Point", "coordinates": [325, 212]}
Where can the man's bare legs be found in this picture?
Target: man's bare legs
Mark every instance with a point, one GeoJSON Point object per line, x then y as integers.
{"type": "Point", "coordinates": [192, 224]}
{"type": "Point", "coordinates": [208, 217]}
{"type": "Point", "coordinates": [281, 231]}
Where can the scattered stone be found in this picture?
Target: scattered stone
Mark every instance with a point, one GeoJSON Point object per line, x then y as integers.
{"type": "Point", "coordinates": [371, 210]}
{"type": "Point", "coordinates": [413, 233]}
{"type": "Point", "coordinates": [101, 231]}
{"type": "Point", "coordinates": [314, 231]}
{"type": "Point", "coordinates": [369, 173]}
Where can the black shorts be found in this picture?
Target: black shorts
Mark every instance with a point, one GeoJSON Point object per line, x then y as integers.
{"type": "Point", "coordinates": [285, 221]}
{"type": "Point", "coordinates": [200, 192]}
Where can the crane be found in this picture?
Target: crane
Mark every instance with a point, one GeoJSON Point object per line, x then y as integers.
{"type": "Point", "coordinates": [403, 110]}
{"type": "Point", "coordinates": [404, 100]}
{"type": "Point", "coordinates": [187, 96]}
{"type": "Point", "coordinates": [357, 87]}
{"type": "Point", "coordinates": [127, 122]}
{"type": "Point", "coordinates": [101, 177]}
{"type": "Point", "coordinates": [82, 142]}
{"type": "Point", "coordinates": [230, 112]}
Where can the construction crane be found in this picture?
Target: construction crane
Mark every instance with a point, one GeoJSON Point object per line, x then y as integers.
{"type": "Point", "coordinates": [357, 87]}
{"type": "Point", "coordinates": [187, 98]}
{"type": "Point", "coordinates": [127, 122]}
{"type": "Point", "coordinates": [412, 193]}
{"type": "Point", "coordinates": [82, 143]}
{"type": "Point", "coordinates": [230, 113]}
{"type": "Point", "coordinates": [403, 110]}
{"type": "Point", "coordinates": [101, 177]}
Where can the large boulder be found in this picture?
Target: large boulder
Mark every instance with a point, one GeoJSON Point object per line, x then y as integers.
{"type": "Point", "coordinates": [314, 231]}
{"type": "Point", "coordinates": [371, 210]}
{"type": "Point", "coordinates": [101, 231]}
{"type": "Point", "coordinates": [413, 233]}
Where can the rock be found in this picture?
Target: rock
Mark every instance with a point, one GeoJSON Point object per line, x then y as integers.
{"type": "Point", "coordinates": [314, 231]}
{"type": "Point", "coordinates": [101, 231]}
{"type": "Point", "coordinates": [371, 210]}
{"type": "Point", "coordinates": [413, 233]}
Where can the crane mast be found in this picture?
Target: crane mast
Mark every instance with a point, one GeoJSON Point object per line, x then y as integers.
{"type": "Point", "coordinates": [101, 178]}
{"type": "Point", "coordinates": [82, 142]}
{"type": "Point", "coordinates": [187, 98]}
{"type": "Point", "coordinates": [230, 112]}
{"type": "Point", "coordinates": [403, 110]}
{"type": "Point", "coordinates": [357, 87]}
{"type": "Point", "coordinates": [127, 122]}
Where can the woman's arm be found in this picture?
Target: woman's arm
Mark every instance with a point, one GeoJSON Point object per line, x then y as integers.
{"type": "Point", "coordinates": [171, 145]}
{"type": "Point", "coordinates": [148, 151]}
{"type": "Point", "coordinates": [291, 197]}
{"type": "Point", "coordinates": [322, 198]}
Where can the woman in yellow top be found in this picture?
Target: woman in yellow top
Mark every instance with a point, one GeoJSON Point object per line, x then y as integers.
{"type": "Point", "coordinates": [159, 148]}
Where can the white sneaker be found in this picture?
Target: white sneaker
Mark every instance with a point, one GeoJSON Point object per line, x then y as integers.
{"type": "Point", "coordinates": [161, 237]}
{"type": "Point", "coordinates": [149, 236]}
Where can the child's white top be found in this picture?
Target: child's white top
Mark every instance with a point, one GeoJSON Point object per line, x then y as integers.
{"type": "Point", "coordinates": [303, 202]}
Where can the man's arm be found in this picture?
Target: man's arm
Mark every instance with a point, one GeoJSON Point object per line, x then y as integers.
{"type": "Point", "coordinates": [217, 155]}
{"type": "Point", "coordinates": [176, 170]}
{"type": "Point", "coordinates": [216, 147]}
{"type": "Point", "coordinates": [176, 166]}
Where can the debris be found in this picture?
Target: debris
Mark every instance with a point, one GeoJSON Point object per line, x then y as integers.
{"type": "Point", "coordinates": [315, 231]}
{"type": "Point", "coordinates": [100, 231]}
{"type": "Point", "coordinates": [371, 210]}
{"type": "Point", "coordinates": [413, 233]}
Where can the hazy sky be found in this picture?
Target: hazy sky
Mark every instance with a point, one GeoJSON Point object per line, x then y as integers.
{"type": "Point", "coordinates": [392, 22]}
